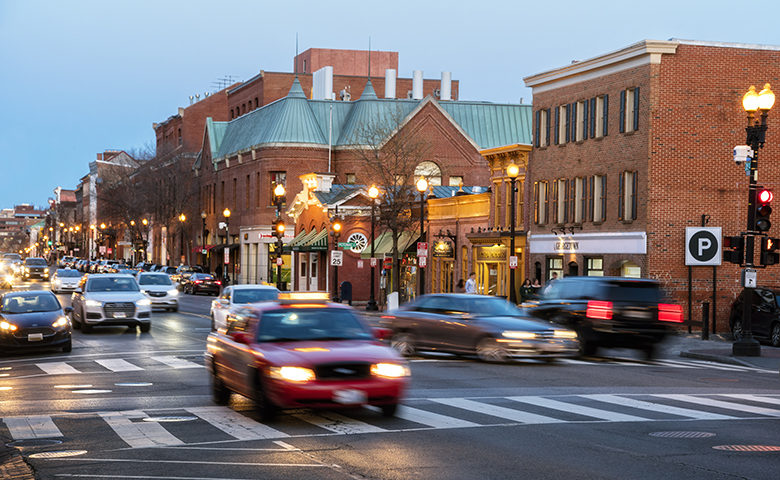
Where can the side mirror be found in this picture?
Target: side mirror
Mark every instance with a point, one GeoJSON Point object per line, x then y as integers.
{"type": "Point", "coordinates": [382, 333]}
{"type": "Point", "coordinates": [67, 310]}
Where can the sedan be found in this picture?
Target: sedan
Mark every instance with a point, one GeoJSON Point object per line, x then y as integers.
{"type": "Point", "coordinates": [33, 319]}
{"type": "Point", "coordinates": [65, 280]}
{"type": "Point", "coordinates": [202, 282]}
{"type": "Point", "coordinates": [239, 295]}
{"type": "Point", "coordinates": [110, 299]}
{"type": "Point", "coordinates": [491, 327]}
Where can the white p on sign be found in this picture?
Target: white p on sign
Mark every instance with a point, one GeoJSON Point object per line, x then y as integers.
{"type": "Point", "coordinates": [702, 246]}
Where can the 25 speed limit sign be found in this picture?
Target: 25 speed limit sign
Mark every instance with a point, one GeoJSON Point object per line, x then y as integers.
{"type": "Point", "coordinates": [702, 246]}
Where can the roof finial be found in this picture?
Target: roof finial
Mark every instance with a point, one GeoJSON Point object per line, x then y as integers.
{"type": "Point", "coordinates": [295, 67]}
{"type": "Point", "coordinates": [369, 58]}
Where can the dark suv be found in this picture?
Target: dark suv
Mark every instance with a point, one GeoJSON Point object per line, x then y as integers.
{"type": "Point", "coordinates": [35, 268]}
{"type": "Point", "coordinates": [609, 311]}
{"type": "Point", "coordinates": [764, 316]}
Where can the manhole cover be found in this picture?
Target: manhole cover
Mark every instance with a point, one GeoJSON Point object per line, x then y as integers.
{"type": "Point", "coordinates": [58, 454]}
{"type": "Point", "coordinates": [169, 419]}
{"type": "Point", "coordinates": [682, 434]}
{"type": "Point", "coordinates": [130, 384]}
{"type": "Point", "coordinates": [34, 442]}
{"type": "Point", "coordinates": [748, 448]}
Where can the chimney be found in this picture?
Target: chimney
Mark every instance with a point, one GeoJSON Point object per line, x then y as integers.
{"type": "Point", "coordinates": [389, 83]}
{"type": "Point", "coordinates": [100, 156]}
{"type": "Point", "coordinates": [417, 85]}
{"type": "Point", "coordinates": [446, 86]}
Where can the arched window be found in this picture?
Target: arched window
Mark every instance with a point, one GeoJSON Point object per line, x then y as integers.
{"type": "Point", "coordinates": [430, 171]}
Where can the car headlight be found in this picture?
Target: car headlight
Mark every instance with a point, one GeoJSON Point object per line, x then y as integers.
{"type": "Point", "coordinates": [93, 303]}
{"type": "Point", "coordinates": [390, 370]}
{"type": "Point", "coordinates": [60, 322]}
{"type": "Point", "coordinates": [144, 302]}
{"type": "Point", "coordinates": [518, 335]}
{"type": "Point", "coordinates": [292, 374]}
{"type": "Point", "coordinates": [8, 327]}
{"type": "Point", "coordinates": [564, 334]}
{"type": "Point", "coordinates": [173, 292]}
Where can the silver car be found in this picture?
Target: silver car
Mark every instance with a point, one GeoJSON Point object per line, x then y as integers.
{"type": "Point", "coordinates": [110, 299]}
{"type": "Point", "coordinates": [160, 290]}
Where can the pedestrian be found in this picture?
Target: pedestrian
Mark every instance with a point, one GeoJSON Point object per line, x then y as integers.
{"type": "Point", "coordinates": [526, 290]}
{"type": "Point", "coordinates": [536, 286]}
{"type": "Point", "coordinates": [471, 283]}
{"type": "Point", "coordinates": [218, 271]}
{"type": "Point", "coordinates": [552, 280]}
{"type": "Point", "coordinates": [460, 287]}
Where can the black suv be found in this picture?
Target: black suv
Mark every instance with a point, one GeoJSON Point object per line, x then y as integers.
{"type": "Point", "coordinates": [35, 268]}
{"type": "Point", "coordinates": [609, 311]}
{"type": "Point", "coordinates": [764, 316]}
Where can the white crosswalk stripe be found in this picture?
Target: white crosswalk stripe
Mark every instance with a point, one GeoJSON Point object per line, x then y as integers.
{"type": "Point", "coordinates": [139, 434]}
{"type": "Point", "coordinates": [496, 411]}
{"type": "Point", "coordinates": [338, 423]}
{"type": "Point", "coordinates": [431, 419]}
{"type": "Point", "coordinates": [235, 424]}
{"type": "Point", "coordinates": [658, 407]}
{"type": "Point", "coordinates": [721, 404]}
{"type": "Point", "coordinates": [118, 365]}
{"type": "Point", "coordinates": [578, 409]}
{"type": "Point", "coordinates": [57, 368]}
{"type": "Point", "coordinates": [753, 398]}
{"type": "Point", "coordinates": [176, 362]}
{"type": "Point", "coordinates": [34, 426]}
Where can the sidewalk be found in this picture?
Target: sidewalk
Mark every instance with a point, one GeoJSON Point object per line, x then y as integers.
{"type": "Point", "coordinates": [718, 349]}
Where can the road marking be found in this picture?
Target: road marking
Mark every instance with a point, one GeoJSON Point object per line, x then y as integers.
{"type": "Point", "coordinates": [235, 424]}
{"type": "Point", "coordinates": [138, 434]}
{"type": "Point", "coordinates": [195, 462]}
{"type": "Point", "coordinates": [338, 423]}
{"type": "Point", "coordinates": [572, 361]}
{"type": "Point", "coordinates": [579, 409]}
{"type": "Point", "coordinates": [34, 426]}
{"type": "Point", "coordinates": [496, 411]}
{"type": "Point", "coordinates": [57, 368]}
{"type": "Point", "coordinates": [753, 398]}
{"type": "Point", "coordinates": [431, 419]}
{"type": "Point", "coordinates": [735, 368]}
{"type": "Point", "coordinates": [658, 407]}
{"type": "Point", "coordinates": [176, 362]}
{"type": "Point", "coordinates": [118, 365]}
{"type": "Point", "coordinates": [720, 404]}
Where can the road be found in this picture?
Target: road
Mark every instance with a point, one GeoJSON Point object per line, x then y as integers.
{"type": "Point", "coordinates": [126, 405]}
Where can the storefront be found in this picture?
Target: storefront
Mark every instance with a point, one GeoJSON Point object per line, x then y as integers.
{"type": "Point", "coordinates": [408, 268]}
{"type": "Point", "coordinates": [257, 260]}
{"type": "Point", "coordinates": [443, 267]}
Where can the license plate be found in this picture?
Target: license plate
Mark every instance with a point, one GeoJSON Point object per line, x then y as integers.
{"type": "Point", "coordinates": [120, 315]}
{"type": "Point", "coordinates": [34, 337]}
{"type": "Point", "coordinates": [349, 397]}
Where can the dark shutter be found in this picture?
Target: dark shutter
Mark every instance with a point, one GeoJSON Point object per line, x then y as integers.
{"type": "Point", "coordinates": [622, 124]}
{"type": "Point", "coordinates": [547, 127]}
{"type": "Point", "coordinates": [557, 125]}
{"type": "Point", "coordinates": [591, 197]}
{"type": "Point", "coordinates": [554, 195]}
{"type": "Point", "coordinates": [537, 117]}
{"type": "Point", "coordinates": [585, 111]}
{"type": "Point", "coordinates": [584, 205]}
{"type": "Point", "coordinates": [634, 195]}
{"type": "Point", "coordinates": [636, 108]}
{"type": "Point", "coordinates": [603, 197]}
{"type": "Point", "coordinates": [606, 114]}
{"type": "Point", "coordinates": [569, 123]}
{"type": "Point", "coordinates": [621, 194]}
{"type": "Point", "coordinates": [536, 203]}
{"type": "Point", "coordinates": [592, 117]}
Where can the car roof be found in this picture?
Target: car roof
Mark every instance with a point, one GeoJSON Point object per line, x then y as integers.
{"type": "Point", "coordinates": [608, 279]}
{"type": "Point", "coordinates": [111, 275]}
{"type": "Point", "coordinates": [26, 293]}
{"type": "Point", "coordinates": [275, 305]}
{"type": "Point", "coordinates": [252, 286]}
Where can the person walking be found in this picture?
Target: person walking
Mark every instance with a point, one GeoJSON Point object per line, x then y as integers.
{"type": "Point", "coordinates": [536, 286]}
{"type": "Point", "coordinates": [460, 287]}
{"type": "Point", "coordinates": [526, 290]}
{"type": "Point", "coordinates": [471, 283]}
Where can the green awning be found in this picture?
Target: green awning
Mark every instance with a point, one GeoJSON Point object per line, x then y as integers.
{"type": "Point", "coordinates": [319, 242]}
{"type": "Point", "coordinates": [383, 245]}
{"type": "Point", "coordinates": [304, 240]}
{"type": "Point", "coordinates": [295, 241]}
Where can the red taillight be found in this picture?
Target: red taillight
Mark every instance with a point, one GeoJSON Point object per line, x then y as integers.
{"type": "Point", "coordinates": [599, 310]}
{"type": "Point", "coordinates": [218, 282]}
{"type": "Point", "coordinates": [387, 316]}
{"type": "Point", "coordinates": [198, 281]}
{"type": "Point", "coordinates": [670, 313]}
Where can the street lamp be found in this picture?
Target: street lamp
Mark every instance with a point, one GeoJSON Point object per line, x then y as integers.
{"type": "Point", "coordinates": [422, 186]}
{"type": "Point", "coordinates": [203, 216]}
{"type": "Point", "coordinates": [752, 102]}
{"type": "Point", "coordinates": [182, 219]}
{"type": "Point", "coordinates": [336, 231]}
{"type": "Point", "coordinates": [279, 228]}
{"type": "Point", "coordinates": [373, 193]}
{"type": "Point", "coordinates": [512, 171]}
{"type": "Point", "coordinates": [226, 214]}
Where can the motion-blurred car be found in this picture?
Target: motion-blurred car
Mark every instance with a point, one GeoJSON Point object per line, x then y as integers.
{"type": "Point", "coordinates": [33, 319]}
{"type": "Point", "coordinates": [159, 288]}
{"type": "Point", "coordinates": [202, 283]}
{"type": "Point", "coordinates": [183, 272]}
{"type": "Point", "coordinates": [304, 353]}
{"type": "Point", "coordinates": [35, 268]}
{"type": "Point", "coordinates": [609, 311]}
{"type": "Point", "coordinates": [490, 327]}
{"type": "Point", "coordinates": [239, 295]}
{"type": "Point", "coordinates": [764, 316]}
{"type": "Point", "coordinates": [110, 299]}
{"type": "Point", "coordinates": [65, 280]}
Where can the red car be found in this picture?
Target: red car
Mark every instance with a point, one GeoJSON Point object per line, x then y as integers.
{"type": "Point", "coordinates": [302, 352]}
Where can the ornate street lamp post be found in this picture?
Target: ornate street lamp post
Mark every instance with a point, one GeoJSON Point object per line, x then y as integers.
{"type": "Point", "coordinates": [373, 193]}
{"type": "Point", "coordinates": [279, 228]}
{"type": "Point", "coordinates": [203, 216]}
{"type": "Point", "coordinates": [512, 171]}
{"type": "Point", "coordinates": [422, 186]}
{"type": "Point", "coordinates": [336, 231]}
{"type": "Point", "coordinates": [182, 219]}
{"type": "Point", "coordinates": [226, 214]}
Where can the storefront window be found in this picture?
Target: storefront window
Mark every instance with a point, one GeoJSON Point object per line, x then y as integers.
{"type": "Point", "coordinates": [286, 271]}
{"type": "Point", "coordinates": [554, 265]}
{"type": "Point", "coordinates": [631, 270]}
{"type": "Point", "coordinates": [594, 267]}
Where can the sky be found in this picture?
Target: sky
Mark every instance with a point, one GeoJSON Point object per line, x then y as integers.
{"type": "Point", "coordinates": [79, 77]}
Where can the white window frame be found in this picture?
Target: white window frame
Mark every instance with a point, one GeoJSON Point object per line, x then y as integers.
{"type": "Point", "coordinates": [560, 214]}
{"type": "Point", "coordinates": [628, 117]}
{"type": "Point", "coordinates": [599, 117]}
{"type": "Point", "coordinates": [543, 122]}
{"type": "Point", "coordinates": [541, 203]}
{"type": "Point", "coordinates": [578, 130]}
{"type": "Point", "coordinates": [628, 193]}
{"type": "Point", "coordinates": [598, 214]}
{"type": "Point", "coordinates": [562, 124]}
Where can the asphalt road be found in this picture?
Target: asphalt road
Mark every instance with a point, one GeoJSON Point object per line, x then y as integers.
{"type": "Point", "coordinates": [126, 405]}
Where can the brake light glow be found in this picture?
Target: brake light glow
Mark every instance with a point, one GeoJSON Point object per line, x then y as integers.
{"type": "Point", "coordinates": [218, 282]}
{"type": "Point", "coordinates": [670, 313]}
{"type": "Point", "coordinates": [198, 281]}
{"type": "Point", "coordinates": [599, 310]}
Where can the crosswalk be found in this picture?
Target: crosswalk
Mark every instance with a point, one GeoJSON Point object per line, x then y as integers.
{"type": "Point", "coordinates": [216, 424]}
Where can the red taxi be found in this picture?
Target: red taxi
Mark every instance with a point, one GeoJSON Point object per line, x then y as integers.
{"type": "Point", "coordinates": [303, 352]}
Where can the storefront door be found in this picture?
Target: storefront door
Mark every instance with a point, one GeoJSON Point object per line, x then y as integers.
{"type": "Point", "coordinates": [313, 272]}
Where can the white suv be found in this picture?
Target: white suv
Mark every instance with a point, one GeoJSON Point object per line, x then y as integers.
{"type": "Point", "coordinates": [160, 289]}
{"type": "Point", "coordinates": [110, 299]}
{"type": "Point", "coordinates": [239, 295]}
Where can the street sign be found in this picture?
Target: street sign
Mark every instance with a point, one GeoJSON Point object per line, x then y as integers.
{"type": "Point", "coordinates": [388, 263]}
{"type": "Point", "coordinates": [422, 249]}
{"type": "Point", "coordinates": [336, 258]}
{"type": "Point", "coordinates": [373, 262]}
{"type": "Point", "coordinates": [227, 255]}
{"type": "Point", "coordinates": [749, 278]}
{"type": "Point", "coordinates": [422, 261]}
{"type": "Point", "coordinates": [702, 246]}
{"type": "Point", "coordinates": [280, 261]}
{"type": "Point", "coordinates": [513, 261]}
{"type": "Point", "coordinates": [360, 264]}
{"type": "Point", "coordinates": [347, 244]}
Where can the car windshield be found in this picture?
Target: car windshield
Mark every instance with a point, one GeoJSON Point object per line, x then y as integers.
{"type": "Point", "coordinates": [112, 284]}
{"type": "Point", "coordinates": [44, 302]}
{"type": "Point", "coordinates": [154, 280]}
{"type": "Point", "coordinates": [487, 306]}
{"type": "Point", "coordinates": [36, 262]}
{"type": "Point", "coordinates": [300, 324]}
{"type": "Point", "coordinates": [242, 295]}
{"type": "Point", "coordinates": [68, 273]}
{"type": "Point", "coordinates": [634, 292]}
{"type": "Point", "coordinates": [203, 277]}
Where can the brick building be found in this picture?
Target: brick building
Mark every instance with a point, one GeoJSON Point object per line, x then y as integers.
{"type": "Point", "coordinates": [635, 145]}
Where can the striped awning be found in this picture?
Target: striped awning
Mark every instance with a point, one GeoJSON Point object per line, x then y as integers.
{"type": "Point", "coordinates": [319, 242]}
{"type": "Point", "coordinates": [298, 238]}
{"type": "Point", "coordinates": [383, 245]}
{"type": "Point", "coordinates": [299, 245]}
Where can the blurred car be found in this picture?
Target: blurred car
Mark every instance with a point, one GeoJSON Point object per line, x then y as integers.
{"type": "Point", "coordinates": [125, 270]}
{"type": "Point", "coordinates": [304, 353]}
{"type": "Point", "coordinates": [35, 267]}
{"type": "Point", "coordinates": [33, 319]}
{"type": "Point", "coordinates": [609, 311]}
{"type": "Point", "coordinates": [110, 299]}
{"type": "Point", "coordinates": [65, 280]}
{"type": "Point", "coordinates": [202, 282]}
{"type": "Point", "coordinates": [764, 316]}
{"type": "Point", "coordinates": [490, 327]}
{"type": "Point", "coordinates": [64, 261]}
{"type": "Point", "coordinates": [159, 288]}
{"type": "Point", "coordinates": [239, 295]}
{"type": "Point", "coordinates": [184, 272]}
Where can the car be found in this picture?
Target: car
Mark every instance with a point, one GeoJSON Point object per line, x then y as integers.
{"type": "Point", "coordinates": [202, 282]}
{"type": "Point", "coordinates": [490, 327]}
{"type": "Point", "coordinates": [33, 319]}
{"type": "Point", "coordinates": [65, 280]}
{"type": "Point", "coordinates": [764, 316]}
{"type": "Point", "coordinates": [35, 267]}
{"type": "Point", "coordinates": [159, 288]}
{"type": "Point", "coordinates": [64, 261]}
{"type": "Point", "coordinates": [184, 272]}
{"type": "Point", "coordinates": [615, 312]}
{"type": "Point", "coordinates": [303, 352]}
{"type": "Point", "coordinates": [239, 295]}
{"type": "Point", "coordinates": [110, 299]}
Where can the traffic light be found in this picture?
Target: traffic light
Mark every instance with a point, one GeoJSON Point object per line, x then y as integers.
{"type": "Point", "coordinates": [279, 228]}
{"type": "Point", "coordinates": [769, 247]}
{"type": "Point", "coordinates": [734, 249]}
{"type": "Point", "coordinates": [762, 209]}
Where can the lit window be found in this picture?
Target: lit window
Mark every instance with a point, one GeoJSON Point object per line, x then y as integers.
{"type": "Point", "coordinates": [594, 267]}
{"type": "Point", "coordinates": [350, 178]}
{"type": "Point", "coordinates": [430, 171]}
{"type": "Point", "coordinates": [540, 199]}
{"type": "Point", "coordinates": [599, 190]}
{"type": "Point", "coordinates": [456, 180]}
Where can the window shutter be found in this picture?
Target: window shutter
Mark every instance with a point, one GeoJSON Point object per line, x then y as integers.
{"type": "Point", "coordinates": [572, 199]}
{"type": "Point", "coordinates": [536, 203]}
{"type": "Point", "coordinates": [636, 108]}
{"type": "Point", "coordinates": [537, 118]}
{"type": "Point", "coordinates": [585, 108]}
{"type": "Point", "coordinates": [547, 127]}
{"type": "Point", "coordinates": [591, 197]}
{"type": "Point", "coordinates": [634, 194]}
{"type": "Point", "coordinates": [622, 124]}
{"type": "Point", "coordinates": [592, 117]}
{"type": "Point", "coordinates": [621, 194]}
{"type": "Point", "coordinates": [584, 205]}
{"type": "Point", "coordinates": [554, 195]}
{"type": "Point", "coordinates": [546, 202]}
{"type": "Point", "coordinates": [606, 113]}
{"type": "Point", "coordinates": [603, 197]}
{"type": "Point", "coordinates": [569, 123]}
{"type": "Point", "coordinates": [557, 125]}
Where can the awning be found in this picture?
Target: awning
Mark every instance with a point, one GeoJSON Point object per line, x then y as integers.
{"type": "Point", "coordinates": [383, 245]}
{"type": "Point", "coordinates": [304, 240]}
{"type": "Point", "coordinates": [319, 242]}
{"type": "Point", "coordinates": [297, 240]}
{"type": "Point", "coordinates": [223, 246]}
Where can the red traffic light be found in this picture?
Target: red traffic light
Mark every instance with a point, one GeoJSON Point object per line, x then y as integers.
{"type": "Point", "coordinates": [765, 196]}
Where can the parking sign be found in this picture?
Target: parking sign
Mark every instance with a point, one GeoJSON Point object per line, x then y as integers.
{"type": "Point", "coordinates": [702, 246]}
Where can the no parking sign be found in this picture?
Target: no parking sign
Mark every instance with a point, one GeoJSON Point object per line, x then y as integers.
{"type": "Point", "coordinates": [702, 246]}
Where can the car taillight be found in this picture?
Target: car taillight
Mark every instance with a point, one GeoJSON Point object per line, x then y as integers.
{"type": "Point", "coordinates": [218, 282]}
{"type": "Point", "coordinates": [387, 316]}
{"type": "Point", "coordinates": [599, 310]}
{"type": "Point", "coordinates": [670, 313]}
{"type": "Point", "coordinates": [198, 281]}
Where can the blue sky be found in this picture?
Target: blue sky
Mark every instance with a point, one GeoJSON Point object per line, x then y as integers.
{"type": "Point", "coordinates": [80, 77]}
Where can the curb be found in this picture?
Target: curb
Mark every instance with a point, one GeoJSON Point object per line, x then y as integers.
{"type": "Point", "coordinates": [13, 466]}
{"type": "Point", "coordinates": [717, 358]}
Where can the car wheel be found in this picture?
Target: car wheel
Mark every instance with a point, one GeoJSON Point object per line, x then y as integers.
{"type": "Point", "coordinates": [175, 309]}
{"type": "Point", "coordinates": [774, 337]}
{"type": "Point", "coordinates": [145, 327]}
{"type": "Point", "coordinates": [403, 343]}
{"type": "Point", "coordinates": [86, 328]}
{"type": "Point", "coordinates": [219, 392]}
{"type": "Point", "coordinates": [587, 348]}
{"type": "Point", "coordinates": [489, 350]}
{"type": "Point", "coordinates": [389, 410]}
{"type": "Point", "coordinates": [76, 324]}
{"type": "Point", "coordinates": [68, 346]}
{"type": "Point", "coordinates": [213, 323]}
{"type": "Point", "coordinates": [648, 352]}
{"type": "Point", "coordinates": [736, 330]}
{"type": "Point", "coordinates": [263, 405]}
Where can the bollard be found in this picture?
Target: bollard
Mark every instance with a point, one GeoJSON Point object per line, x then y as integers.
{"type": "Point", "coordinates": [705, 320]}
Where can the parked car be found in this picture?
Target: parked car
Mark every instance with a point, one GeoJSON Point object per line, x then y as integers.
{"type": "Point", "coordinates": [304, 354]}
{"type": "Point", "coordinates": [609, 311]}
{"type": "Point", "coordinates": [764, 316]}
{"type": "Point", "coordinates": [490, 327]}
{"type": "Point", "coordinates": [239, 295]}
{"type": "Point", "coordinates": [202, 282]}
{"type": "Point", "coordinates": [34, 267]}
{"type": "Point", "coordinates": [184, 272]}
{"type": "Point", "coordinates": [64, 261]}
{"type": "Point", "coordinates": [33, 319]}
{"type": "Point", "coordinates": [159, 288]}
{"type": "Point", "coordinates": [65, 280]}
{"type": "Point", "coordinates": [110, 299]}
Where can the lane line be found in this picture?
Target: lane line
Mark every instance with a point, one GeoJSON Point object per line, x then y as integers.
{"type": "Point", "coordinates": [338, 423]}
{"type": "Point", "coordinates": [658, 407]}
{"type": "Point", "coordinates": [235, 424]}
{"type": "Point", "coordinates": [33, 426]}
{"type": "Point", "coordinates": [431, 419]}
{"type": "Point", "coordinates": [496, 411]}
{"type": "Point", "coordinates": [118, 365]}
{"type": "Point", "coordinates": [721, 404]}
{"type": "Point", "coordinates": [674, 364]}
{"type": "Point", "coordinates": [57, 368]}
{"type": "Point", "coordinates": [176, 362]}
{"type": "Point", "coordinates": [579, 409]}
{"type": "Point", "coordinates": [138, 434]}
{"type": "Point", "coordinates": [195, 462]}
{"type": "Point", "coordinates": [736, 368]}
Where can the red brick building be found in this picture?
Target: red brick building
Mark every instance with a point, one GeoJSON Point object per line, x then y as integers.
{"type": "Point", "coordinates": [635, 145]}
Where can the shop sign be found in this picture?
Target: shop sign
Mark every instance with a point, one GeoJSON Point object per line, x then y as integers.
{"type": "Point", "coordinates": [360, 264]}
{"type": "Point", "coordinates": [280, 261]}
{"type": "Point", "coordinates": [422, 261]}
{"type": "Point", "coordinates": [513, 261]}
{"type": "Point", "coordinates": [227, 255]}
{"type": "Point", "coordinates": [422, 249]}
{"type": "Point", "coordinates": [442, 249]}
{"type": "Point", "coordinates": [495, 253]}
{"type": "Point", "coordinates": [388, 263]}
{"type": "Point", "coordinates": [373, 262]}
